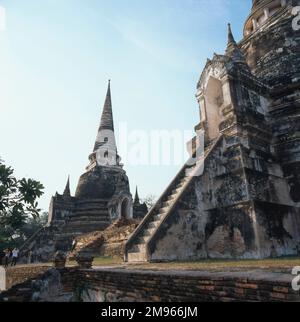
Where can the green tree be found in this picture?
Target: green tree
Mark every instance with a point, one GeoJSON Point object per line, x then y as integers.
{"type": "Point", "coordinates": [18, 203]}
{"type": "Point", "coordinates": [33, 224]}
{"type": "Point", "coordinates": [150, 201]}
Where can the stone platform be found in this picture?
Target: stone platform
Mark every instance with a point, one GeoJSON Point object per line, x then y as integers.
{"type": "Point", "coordinates": [126, 284]}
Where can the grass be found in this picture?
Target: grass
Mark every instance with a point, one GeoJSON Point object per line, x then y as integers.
{"type": "Point", "coordinates": [103, 261]}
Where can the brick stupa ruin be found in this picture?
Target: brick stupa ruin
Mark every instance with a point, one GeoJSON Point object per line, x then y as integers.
{"type": "Point", "coordinates": [102, 197]}
{"type": "Point", "coordinates": [246, 204]}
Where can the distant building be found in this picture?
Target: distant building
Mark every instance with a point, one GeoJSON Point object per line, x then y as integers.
{"type": "Point", "coordinates": [139, 209]}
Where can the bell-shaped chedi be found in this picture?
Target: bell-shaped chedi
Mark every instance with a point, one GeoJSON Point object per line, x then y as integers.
{"type": "Point", "coordinates": [261, 11]}
{"type": "Point", "coordinates": [105, 176]}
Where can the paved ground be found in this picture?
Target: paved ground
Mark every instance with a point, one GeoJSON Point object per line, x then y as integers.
{"type": "Point", "coordinates": [255, 275]}
{"type": "Point", "coordinates": [283, 265]}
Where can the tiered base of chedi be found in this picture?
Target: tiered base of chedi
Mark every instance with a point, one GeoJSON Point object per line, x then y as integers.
{"type": "Point", "coordinates": [102, 197]}
{"type": "Point", "coordinates": [246, 203]}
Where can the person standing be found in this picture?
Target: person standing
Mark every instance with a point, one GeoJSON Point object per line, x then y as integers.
{"type": "Point", "coordinates": [74, 244]}
{"type": "Point", "coordinates": [29, 258]}
{"type": "Point", "coordinates": [15, 256]}
{"type": "Point", "coordinates": [6, 257]}
{"type": "Point", "coordinates": [2, 255]}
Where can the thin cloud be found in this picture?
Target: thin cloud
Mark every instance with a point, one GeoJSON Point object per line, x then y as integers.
{"type": "Point", "coordinates": [172, 52]}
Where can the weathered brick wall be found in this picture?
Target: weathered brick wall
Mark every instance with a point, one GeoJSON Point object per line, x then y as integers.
{"type": "Point", "coordinates": [117, 285]}
{"type": "Point", "coordinates": [124, 285]}
{"type": "Point", "coordinates": [20, 274]}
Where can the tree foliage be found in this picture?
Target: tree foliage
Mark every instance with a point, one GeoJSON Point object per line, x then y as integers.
{"type": "Point", "coordinates": [18, 205]}
{"type": "Point", "coordinates": [150, 201]}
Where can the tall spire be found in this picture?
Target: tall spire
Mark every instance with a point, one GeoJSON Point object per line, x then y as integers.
{"type": "Point", "coordinates": [136, 198]}
{"type": "Point", "coordinates": [106, 128]}
{"type": "Point", "coordinates": [67, 192]}
{"type": "Point", "coordinates": [107, 122]}
{"type": "Point", "coordinates": [105, 149]}
{"type": "Point", "coordinates": [233, 51]}
{"type": "Point", "coordinates": [231, 41]}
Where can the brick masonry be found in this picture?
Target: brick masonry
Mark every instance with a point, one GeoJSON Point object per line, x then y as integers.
{"type": "Point", "coordinates": [119, 285]}
{"type": "Point", "coordinates": [127, 285]}
{"type": "Point", "coordinates": [20, 274]}
{"type": "Point", "coordinates": [246, 201]}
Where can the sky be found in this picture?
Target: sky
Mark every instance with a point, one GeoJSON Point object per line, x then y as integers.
{"type": "Point", "coordinates": [56, 57]}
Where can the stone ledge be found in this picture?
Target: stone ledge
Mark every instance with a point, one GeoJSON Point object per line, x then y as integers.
{"type": "Point", "coordinates": [119, 285]}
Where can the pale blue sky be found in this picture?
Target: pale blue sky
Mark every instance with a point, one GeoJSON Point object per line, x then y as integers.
{"type": "Point", "coordinates": [57, 55]}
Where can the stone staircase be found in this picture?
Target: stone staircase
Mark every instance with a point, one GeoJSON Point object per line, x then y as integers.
{"type": "Point", "coordinates": [136, 249]}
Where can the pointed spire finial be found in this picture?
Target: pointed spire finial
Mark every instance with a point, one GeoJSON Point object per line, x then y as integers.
{"type": "Point", "coordinates": [107, 121]}
{"type": "Point", "coordinates": [105, 151]}
{"type": "Point", "coordinates": [233, 50]}
{"type": "Point", "coordinates": [231, 40]}
{"type": "Point", "coordinates": [136, 198]}
{"type": "Point", "coordinates": [231, 43]}
{"type": "Point", "coordinates": [67, 191]}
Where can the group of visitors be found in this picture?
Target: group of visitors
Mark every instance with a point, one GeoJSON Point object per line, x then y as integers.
{"type": "Point", "coordinates": [9, 256]}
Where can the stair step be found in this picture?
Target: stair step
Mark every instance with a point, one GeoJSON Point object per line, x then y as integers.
{"type": "Point", "coordinates": [90, 215]}
{"type": "Point", "coordinates": [153, 224]}
{"type": "Point", "coordinates": [138, 248]}
{"type": "Point", "coordinates": [142, 240]}
{"type": "Point", "coordinates": [91, 210]}
{"type": "Point", "coordinates": [91, 204]}
{"type": "Point", "coordinates": [174, 194]}
{"type": "Point", "coordinates": [166, 204]}
{"type": "Point", "coordinates": [85, 228]}
{"type": "Point", "coordinates": [136, 257]}
{"type": "Point", "coordinates": [184, 179]}
{"type": "Point", "coordinates": [87, 222]}
{"type": "Point", "coordinates": [148, 232]}
{"type": "Point", "coordinates": [180, 185]}
{"type": "Point", "coordinates": [157, 217]}
{"type": "Point", "coordinates": [163, 210]}
{"type": "Point", "coordinates": [89, 219]}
